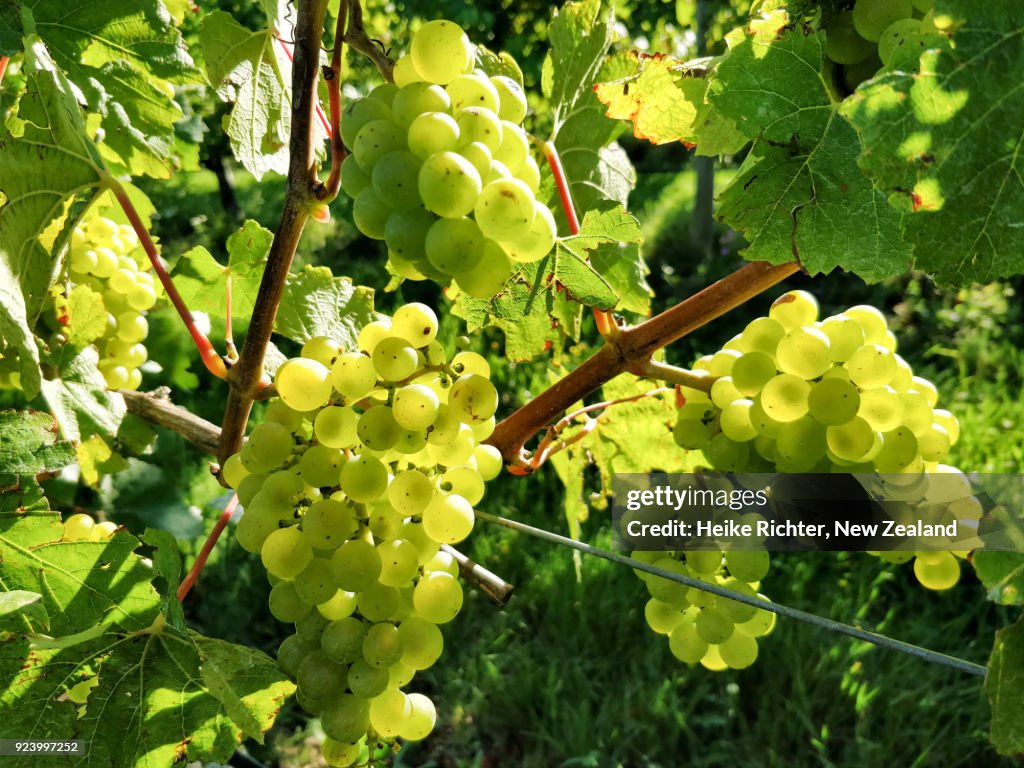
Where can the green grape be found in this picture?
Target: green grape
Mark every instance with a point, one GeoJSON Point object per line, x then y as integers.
{"type": "Point", "coordinates": [480, 125]}
{"type": "Point", "coordinates": [833, 401]}
{"type": "Point", "coordinates": [448, 518]}
{"type": "Point", "coordinates": [321, 466]}
{"type": "Point", "coordinates": [747, 565]}
{"type": "Point", "coordinates": [377, 428]}
{"type": "Point", "coordinates": [410, 492]}
{"type": "Point", "coordinates": [801, 443]}
{"type": "Point", "coordinates": [353, 376]}
{"type": "Point", "coordinates": [286, 553]}
{"type": "Point", "coordinates": [505, 210]}
{"type": "Point", "coordinates": [661, 617]}
{"type": "Point", "coordinates": [454, 245]}
{"type": "Point", "coordinates": [686, 643]}
{"type": "Point", "coordinates": [292, 651]}
{"type": "Point", "coordinates": [385, 93]}
{"type": "Point", "coordinates": [785, 397]}
{"type": "Point", "coordinates": [844, 334]}
{"type": "Point", "coordinates": [899, 449]}
{"type": "Point", "coordinates": [871, 366]}
{"type": "Point", "coordinates": [881, 408]}
{"type": "Point", "coordinates": [448, 185]}
{"type": "Point", "coordinates": [896, 35]}
{"type": "Point", "coordinates": [253, 530]}
{"type": "Point", "coordinates": [382, 645]}
{"type": "Point", "coordinates": [358, 114]}
{"type": "Point", "coordinates": [342, 640]}
{"type": "Point", "coordinates": [415, 406]}
{"type": "Point", "coordinates": [421, 643]}
{"type": "Point", "coordinates": [399, 562]}
{"type": "Point", "coordinates": [871, 321]}
{"type": "Point", "coordinates": [315, 584]}
{"type": "Point", "coordinates": [370, 213]}
{"type": "Point", "coordinates": [479, 154]}
{"type": "Point", "coordinates": [735, 421]}
{"type": "Point", "coordinates": [303, 384]}
{"type": "Point", "coordinates": [762, 623]}
{"type": "Point", "coordinates": [414, 100]}
{"type": "Point", "coordinates": [346, 718]}
{"type": "Point", "coordinates": [396, 180]}
{"type": "Point", "coordinates": [917, 414]}
{"type": "Point", "coordinates": [489, 275]}
{"type": "Point", "coordinates": [721, 363]}
{"type": "Point", "coordinates": [379, 602]}
{"type": "Point", "coordinates": [284, 487]}
{"type": "Point", "coordinates": [394, 359]}
{"type": "Point", "coordinates": [739, 651]}
{"type": "Point", "coordinates": [441, 561]}
{"type": "Point", "coordinates": [388, 711]}
{"type": "Point", "coordinates": [489, 461]}
{"type": "Point", "coordinates": [471, 362]}
{"type": "Point", "coordinates": [538, 242]}
{"type": "Point", "coordinates": [938, 571]}
{"type": "Point", "coordinates": [804, 352]}
{"type": "Point", "coordinates": [794, 309]}
{"type": "Point", "coordinates": [319, 678]}
{"type": "Point", "coordinates": [514, 148]}
{"type": "Point", "coordinates": [726, 454]}
{"type": "Point", "coordinates": [286, 604]}
{"type": "Point", "coordinates": [107, 529]}
{"type": "Point", "coordinates": [338, 754]}
{"type": "Point", "coordinates": [335, 427]}
{"type": "Point", "coordinates": [432, 133]}
{"type": "Point", "coordinates": [405, 233]}
{"type": "Point", "coordinates": [323, 349]}
{"type": "Point", "coordinates": [364, 478]}
{"type": "Point", "coordinates": [691, 434]}
{"type": "Point", "coordinates": [269, 445]}
{"type": "Point", "coordinates": [852, 441]}
{"type": "Point", "coordinates": [723, 392]}
{"type": "Point", "coordinates": [311, 626]}
{"type": "Point", "coordinates": [405, 73]}
{"type": "Point", "coordinates": [472, 90]}
{"type": "Point", "coordinates": [278, 412]}
{"type": "Point", "coordinates": [872, 17]}
{"type": "Point", "coordinates": [844, 45]}
{"type": "Point", "coordinates": [437, 597]}
{"type": "Point", "coordinates": [339, 606]}
{"type": "Point", "coordinates": [385, 522]}
{"type": "Point", "coordinates": [713, 626]}
{"type": "Point", "coordinates": [416, 323]}
{"type": "Point", "coordinates": [79, 527]}
{"type": "Point", "coordinates": [356, 565]}
{"type": "Point", "coordinates": [366, 681]}
{"type": "Point", "coordinates": [376, 139]}
{"type": "Point", "coordinates": [752, 371]}
{"type": "Point", "coordinates": [466, 482]}
{"type": "Point", "coordinates": [473, 398]}
{"type": "Point", "coordinates": [512, 100]}
{"type": "Point", "coordinates": [738, 612]}
{"type": "Point", "coordinates": [530, 173]}
{"type": "Point", "coordinates": [948, 422]}
{"type": "Point", "coordinates": [440, 52]}
{"type": "Point", "coordinates": [496, 172]}
{"type": "Point", "coordinates": [131, 327]}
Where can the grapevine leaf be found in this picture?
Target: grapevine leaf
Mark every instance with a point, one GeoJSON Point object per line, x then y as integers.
{"type": "Point", "coordinates": [1005, 687]}
{"type": "Point", "coordinates": [579, 36]}
{"type": "Point", "coordinates": [610, 237]}
{"type": "Point", "coordinates": [86, 316]}
{"type": "Point", "coordinates": [498, 64]}
{"type": "Point", "coordinates": [800, 193]}
{"type": "Point", "coordinates": [1002, 573]}
{"type": "Point", "coordinates": [46, 163]}
{"type": "Point", "coordinates": [96, 458]}
{"type": "Point", "coordinates": [79, 399]}
{"type": "Point", "coordinates": [29, 445]}
{"type": "Point", "coordinates": [122, 64]}
{"type": "Point", "coordinates": [249, 70]}
{"type": "Point", "coordinates": [202, 281]}
{"type": "Point", "coordinates": [316, 303]}
{"type": "Point", "coordinates": [946, 141]}
{"type": "Point", "coordinates": [20, 609]}
{"type": "Point", "coordinates": [166, 574]}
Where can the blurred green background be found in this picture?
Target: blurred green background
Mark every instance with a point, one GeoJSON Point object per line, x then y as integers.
{"type": "Point", "coordinates": [568, 674]}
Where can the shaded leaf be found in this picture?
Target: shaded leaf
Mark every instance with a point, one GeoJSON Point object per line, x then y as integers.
{"type": "Point", "coordinates": [1005, 687]}
{"type": "Point", "coordinates": [21, 610]}
{"type": "Point", "coordinates": [30, 445]}
{"type": "Point", "coordinates": [79, 399]}
{"type": "Point", "coordinates": [1002, 573]}
{"type": "Point", "coordinates": [316, 303]}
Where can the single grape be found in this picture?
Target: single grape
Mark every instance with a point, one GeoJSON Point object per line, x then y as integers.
{"type": "Point", "coordinates": [538, 242]}
{"type": "Point", "coordinates": [346, 717]}
{"type": "Point", "coordinates": [872, 17]}
{"type": "Point", "coordinates": [448, 518]}
{"type": "Point", "coordinates": [416, 323]}
{"type": "Point", "coordinates": [449, 185]}
{"type": "Point", "coordinates": [433, 132]}
{"type": "Point", "coordinates": [833, 401]}
{"type": "Point", "coordinates": [482, 125]}
{"type": "Point", "coordinates": [473, 398]}
{"type": "Point", "coordinates": [505, 210]}
{"type": "Point", "coordinates": [286, 604]}
{"type": "Point", "coordinates": [454, 245]}
{"type": "Point", "coordinates": [512, 99]}
{"type": "Point", "coordinates": [335, 427]}
{"type": "Point", "coordinates": [414, 100]}
{"type": "Point", "coordinates": [794, 309]}
{"type": "Point", "coordinates": [396, 180]}
{"type": "Point", "coordinates": [804, 352]}
{"type": "Point", "coordinates": [489, 275]}
{"type": "Point", "coordinates": [364, 479]}
{"type": "Point", "coordinates": [472, 90]}
{"type": "Point", "coordinates": [286, 553]}
{"type": "Point", "coordinates": [785, 397]}
{"type": "Point", "coordinates": [370, 213]}
{"type": "Point", "coordinates": [441, 51]}
{"type": "Point", "coordinates": [844, 45]}
{"type": "Point", "coordinates": [437, 597]}
{"type": "Point", "coordinates": [79, 527]}
{"type": "Point", "coordinates": [358, 114]}
{"type": "Point", "coordinates": [415, 406]}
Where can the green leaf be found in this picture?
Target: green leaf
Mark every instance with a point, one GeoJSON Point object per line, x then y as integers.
{"type": "Point", "coordinates": [29, 445]}
{"type": "Point", "coordinates": [86, 317]}
{"type": "Point", "coordinates": [579, 36]}
{"type": "Point", "coordinates": [202, 281]}
{"type": "Point", "coordinates": [123, 64]}
{"type": "Point", "coordinates": [21, 610]}
{"type": "Point", "coordinates": [316, 303]}
{"type": "Point", "coordinates": [1005, 687]}
{"type": "Point", "coordinates": [1002, 573]}
{"type": "Point", "coordinates": [46, 164]}
{"type": "Point", "coordinates": [800, 192]}
{"type": "Point", "coordinates": [79, 399]}
{"type": "Point", "coordinates": [166, 574]}
{"type": "Point", "coordinates": [610, 238]}
{"type": "Point", "coordinates": [946, 141]}
{"type": "Point", "coordinates": [96, 458]}
{"type": "Point", "coordinates": [498, 64]}
{"type": "Point", "coordinates": [249, 70]}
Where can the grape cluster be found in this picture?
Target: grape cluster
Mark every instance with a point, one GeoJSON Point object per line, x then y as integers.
{"type": "Point", "coordinates": [871, 35]}
{"type": "Point", "coordinates": [795, 394]}
{"type": "Point", "coordinates": [368, 461]}
{"type": "Point", "coordinates": [81, 527]}
{"type": "Point", "coordinates": [440, 168]}
{"type": "Point", "coordinates": [702, 627]}
{"type": "Point", "coordinates": [107, 258]}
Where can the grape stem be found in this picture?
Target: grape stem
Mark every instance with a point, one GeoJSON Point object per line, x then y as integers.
{"type": "Point", "coordinates": [332, 75]}
{"type": "Point", "coordinates": [247, 377]}
{"type": "Point", "coordinates": [605, 321]}
{"type": "Point", "coordinates": [357, 39]}
{"type": "Point", "coordinates": [768, 605]}
{"type": "Point", "coordinates": [670, 374]}
{"type": "Point", "coordinates": [632, 347]}
{"type": "Point", "coordinates": [208, 545]}
{"type": "Point", "coordinates": [214, 362]}
{"type": "Point", "coordinates": [156, 408]}
{"type": "Point", "coordinates": [229, 335]}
